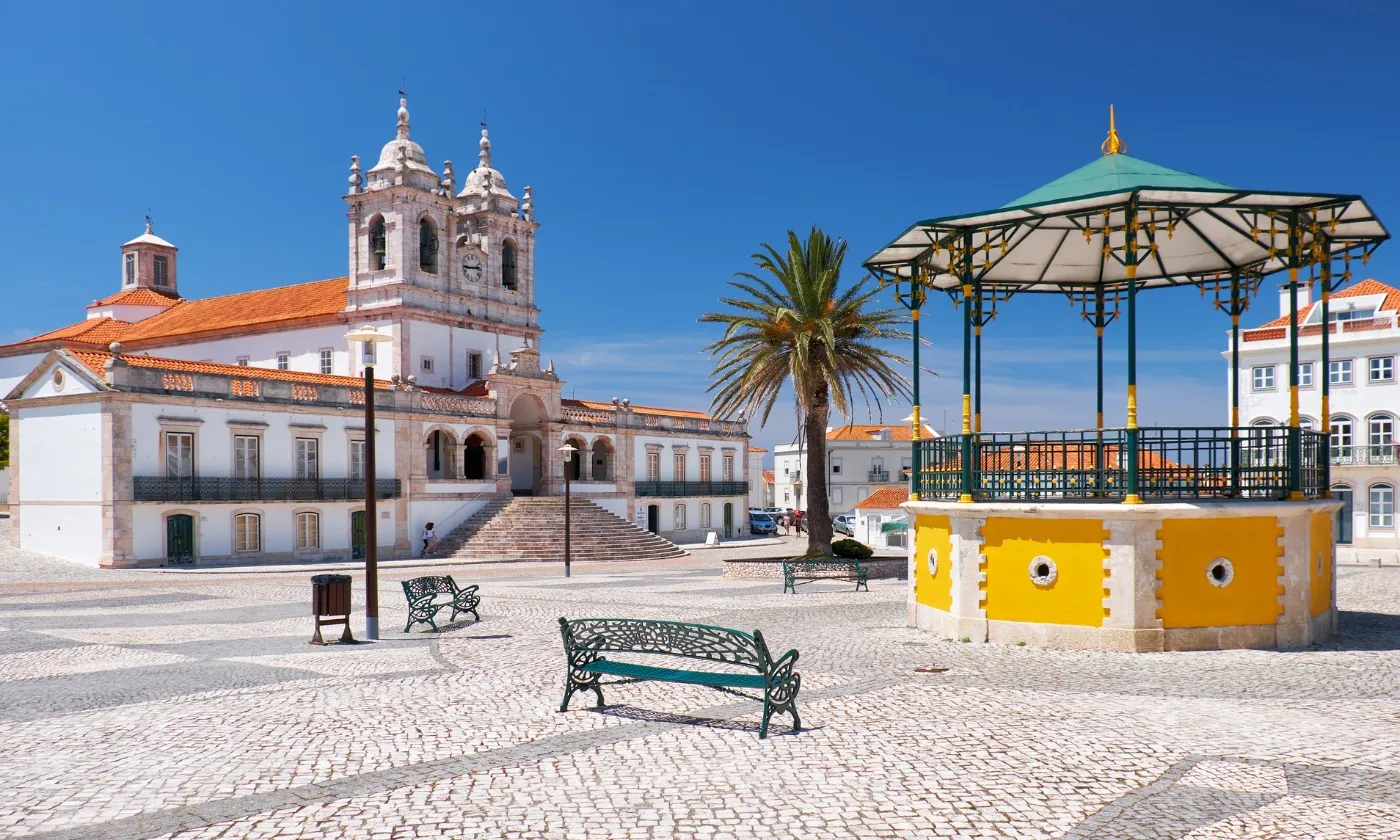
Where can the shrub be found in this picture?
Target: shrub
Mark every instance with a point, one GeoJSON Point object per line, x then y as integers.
{"type": "Point", "coordinates": [851, 550]}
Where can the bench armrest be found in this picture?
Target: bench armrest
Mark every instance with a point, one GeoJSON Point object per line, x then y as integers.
{"type": "Point", "coordinates": [781, 669]}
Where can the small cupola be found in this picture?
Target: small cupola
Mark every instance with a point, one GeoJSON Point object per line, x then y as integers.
{"type": "Point", "coordinates": [148, 262]}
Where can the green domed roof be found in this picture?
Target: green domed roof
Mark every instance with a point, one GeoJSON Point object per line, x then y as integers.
{"type": "Point", "coordinates": [1115, 173]}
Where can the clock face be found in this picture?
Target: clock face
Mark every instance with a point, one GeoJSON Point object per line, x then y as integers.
{"type": "Point", "coordinates": [471, 267]}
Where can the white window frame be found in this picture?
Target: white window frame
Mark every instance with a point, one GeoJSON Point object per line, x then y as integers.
{"type": "Point", "coordinates": [705, 466]}
{"type": "Point", "coordinates": [1380, 364]}
{"type": "Point", "coordinates": [727, 468]}
{"type": "Point", "coordinates": [284, 360]}
{"type": "Point", "coordinates": [1262, 377]}
{"type": "Point", "coordinates": [678, 466]}
{"type": "Point", "coordinates": [1341, 433]}
{"type": "Point", "coordinates": [425, 364]}
{"type": "Point", "coordinates": [307, 456]}
{"type": "Point", "coordinates": [679, 514]}
{"type": "Point", "coordinates": [180, 457]}
{"type": "Point", "coordinates": [653, 466]}
{"type": "Point", "coordinates": [704, 514]}
{"type": "Point", "coordinates": [243, 446]}
{"type": "Point", "coordinates": [129, 269]}
{"type": "Point", "coordinates": [242, 361]}
{"type": "Point", "coordinates": [308, 530]}
{"type": "Point", "coordinates": [1380, 505]}
{"type": "Point", "coordinates": [241, 533]}
{"type": "Point", "coordinates": [1380, 429]}
{"type": "Point", "coordinates": [836, 496]}
{"type": "Point", "coordinates": [835, 465]}
{"type": "Point", "coordinates": [357, 459]}
{"type": "Point", "coordinates": [1339, 372]}
{"type": "Point", "coordinates": [1305, 375]}
{"type": "Point", "coordinates": [160, 270]}
{"type": "Point", "coordinates": [327, 359]}
{"type": "Point", "coordinates": [474, 368]}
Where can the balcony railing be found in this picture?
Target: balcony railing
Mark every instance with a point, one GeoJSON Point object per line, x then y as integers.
{"type": "Point", "coordinates": [794, 476]}
{"type": "Point", "coordinates": [1362, 456]}
{"type": "Point", "coordinates": [202, 489]}
{"type": "Point", "coordinates": [675, 489]}
{"type": "Point", "coordinates": [879, 476]}
{"type": "Point", "coordinates": [1172, 463]}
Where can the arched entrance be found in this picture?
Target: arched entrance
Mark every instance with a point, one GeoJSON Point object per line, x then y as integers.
{"type": "Point", "coordinates": [601, 461]}
{"type": "Point", "coordinates": [527, 420]}
{"type": "Point", "coordinates": [438, 453]}
{"type": "Point", "coordinates": [654, 518]}
{"type": "Point", "coordinates": [474, 458]}
{"type": "Point", "coordinates": [574, 468]}
{"type": "Point", "coordinates": [728, 520]}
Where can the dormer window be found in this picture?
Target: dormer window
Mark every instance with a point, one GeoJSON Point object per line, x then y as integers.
{"type": "Point", "coordinates": [508, 266]}
{"type": "Point", "coordinates": [130, 269]}
{"type": "Point", "coordinates": [427, 246]}
{"type": "Point", "coordinates": [378, 251]}
{"type": "Point", "coordinates": [162, 271]}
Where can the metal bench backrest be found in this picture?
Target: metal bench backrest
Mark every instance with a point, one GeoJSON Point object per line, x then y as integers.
{"type": "Point", "coordinates": [418, 587]}
{"type": "Point", "coordinates": [694, 641]}
{"type": "Point", "coordinates": [825, 565]}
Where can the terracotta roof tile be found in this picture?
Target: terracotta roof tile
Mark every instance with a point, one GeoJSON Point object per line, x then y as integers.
{"type": "Point", "coordinates": [884, 498]}
{"type": "Point", "coordinates": [768, 477]}
{"type": "Point", "coordinates": [245, 309]}
{"type": "Point", "coordinates": [95, 331]}
{"type": "Point", "coordinates": [639, 409]}
{"type": "Point", "coordinates": [757, 449]}
{"type": "Point", "coordinates": [95, 360]}
{"type": "Point", "coordinates": [858, 431]}
{"type": "Point", "coordinates": [479, 388]}
{"type": "Point", "coordinates": [140, 297]}
{"type": "Point", "coordinates": [1277, 328]}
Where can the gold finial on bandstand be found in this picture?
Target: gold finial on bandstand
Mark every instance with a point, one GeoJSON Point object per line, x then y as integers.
{"type": "Point", "coordinates": [1114, 145]}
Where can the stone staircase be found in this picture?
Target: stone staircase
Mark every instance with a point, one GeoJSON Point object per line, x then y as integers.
{"type": "Point", "coordinates": [529, 528]}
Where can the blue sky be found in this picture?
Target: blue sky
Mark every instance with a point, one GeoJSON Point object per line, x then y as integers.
{"type": "Point", "coordinates": [666, 140]}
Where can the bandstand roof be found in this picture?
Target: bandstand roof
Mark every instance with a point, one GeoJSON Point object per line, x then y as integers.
{"type": "Point", "coordinates": [1071, 234]}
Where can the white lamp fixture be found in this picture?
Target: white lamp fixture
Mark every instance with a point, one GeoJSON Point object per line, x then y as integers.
{"type": "Point", "coordinates": [568, 449]}
{"type": "Point", "coordinates": [369, 336]}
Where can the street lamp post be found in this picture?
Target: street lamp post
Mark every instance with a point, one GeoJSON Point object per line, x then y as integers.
{"type": "Point", "coordinates": [369, 336]}
{"type": "Point", "coordinates": [568, 449]}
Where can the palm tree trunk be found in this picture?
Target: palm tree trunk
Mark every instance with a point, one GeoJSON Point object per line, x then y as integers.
{"type": "Point", "coordinates": [818, 506]}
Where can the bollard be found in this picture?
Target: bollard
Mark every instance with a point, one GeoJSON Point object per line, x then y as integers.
{"type": "Point", "coordinates": [330, 596]}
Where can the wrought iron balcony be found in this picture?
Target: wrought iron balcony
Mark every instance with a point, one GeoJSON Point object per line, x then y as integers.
{"type": "Point", "coordinates": [879, 476]}
{"type": "Point", "coordinates": [676, 489]}
{"type": "Point", "coordinates": [202, 489]}
{"type": "Point", "coordinates": [794, 476]}
{"type": "Point", "coordinates": [1172, 463]}
{"type": "Point", "coordinates": [1363, 456]}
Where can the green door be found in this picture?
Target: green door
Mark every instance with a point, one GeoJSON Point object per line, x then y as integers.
{"type": "Point", "coordinates": [179, 540]}
{"type": "Point", "coordinates": [728, 520]}
{"type": "Point", "coordinates": [357, 535]}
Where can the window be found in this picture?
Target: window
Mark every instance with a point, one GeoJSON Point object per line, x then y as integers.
{"type": "Point", "coordinates": [1382, 506]}
{"type": "Point", "coordinates": [179, 455]}
{"type": "Point", "coordinates": [308, 460]}
{"type": "Point", "coordinates": [705, 515]}
{"type": "Point", "coordinates": [284, 360]}
{"type": "Point", "coordinates": [427, 246]}
{"type": "Point", "coordinates": [1380, 431]}
{"type": "Point", "coordinates": [835, 466]}
{"type": "Point", "coordinates": [727, 467]}
{"type": "Point", "coordinates": [378, 253]}
{"type": "Point", "coordinates": [130, 268]}
{"type": "Point", "coordinates": [1305, 375]}
{"type": "Point", "coordinates": [1341, 436]}
{"type": "Point", "coordinates": [836, 496]}
{"type": "Point", "coordinates": [680, 466]}
{"type": "Point", "coordinates": [473, 366]}
{"type": "Point", "coordinates": [653, 466]}
{"type": "Point", "coordinates": [704, 467]}
{"type": "Point", "coordinates": [1339, 373]}
{"type": "Point", "coordinates": [242, 361]}
{"type": "Point", "coordinates": [357, 459]}
{"type": "Point", "coordinates": [1382, 368]}
{"type": "Point", "coordinates": [1353, 314]}
{"type": "Point", "coordinates": [1263, 377]}
{"type": "Point", "coordinates": [508, 265]}
{"type": "Point", "coordinates": [425, 363]}
{"type": "Point", "coordinates": [327, 361]}
{"type": "Point", "coordinates": [308, 530]}
{"type": "Point", "coordinates": [906, 467]}
{"type": "Point", "coordinates": [162, 272]}
{"type": "Point", "coordinates": [680, 518]}
{"type": "Point", "coordinates": [245, 456]}
{"type": "Point", "coordinates": [247, 532]}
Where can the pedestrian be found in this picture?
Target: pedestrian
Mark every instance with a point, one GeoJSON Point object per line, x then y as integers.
{"type": "Point", "coordinates": [430, 539]}
{"type": "Point", "coordinates": [797, 520]}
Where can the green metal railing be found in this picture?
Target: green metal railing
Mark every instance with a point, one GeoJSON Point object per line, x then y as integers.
{"type": "Point", "coordinates": [1172, 464]}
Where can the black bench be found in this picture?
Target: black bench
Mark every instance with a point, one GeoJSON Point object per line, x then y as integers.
{"type": "Point", "coordinates": [834, 568]}
{"type": "Point", "coordinates": [424, 602]}
{"type": "Point", "coordinates": [586, 639]}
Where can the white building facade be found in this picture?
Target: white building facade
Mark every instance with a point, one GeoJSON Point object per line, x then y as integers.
{"type": "Point", "coordinates": [163, 430]}
{"type": "Point", "coordinates": [1364, 347]}
{"type": "Point", "coordinates": [860, 459]}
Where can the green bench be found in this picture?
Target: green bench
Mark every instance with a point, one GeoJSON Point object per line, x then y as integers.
{"type": "Point", "coordinates": [427, 596]}
{"type": "Point", "coordinates": [587, 639]}
{"type": "Point", "coordinates": [833, 568]}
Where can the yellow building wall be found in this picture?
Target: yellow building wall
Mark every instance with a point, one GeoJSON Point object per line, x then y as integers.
{"type": "Point", "coordinates": [1077, 593]}
{"type": "Point", "coordinates": [934, 590]}
{"type": "Point", "coordinates": [1189, 547]}
{"type": "Point", "coordinates": [1321, 561]}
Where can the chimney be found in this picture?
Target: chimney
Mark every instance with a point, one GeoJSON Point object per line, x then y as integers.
{"type": "Point", "coordinates": [1304, 299]}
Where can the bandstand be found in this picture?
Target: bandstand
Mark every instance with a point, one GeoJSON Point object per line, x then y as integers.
{"type": "Point", "coordinates": [1134, 538]}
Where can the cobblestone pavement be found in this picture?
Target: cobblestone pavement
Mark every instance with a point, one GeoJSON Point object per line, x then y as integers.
{"type": "Point", "coordinates": [140, 705]}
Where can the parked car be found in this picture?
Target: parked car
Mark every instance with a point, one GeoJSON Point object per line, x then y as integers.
{"type": "Point", "coordinates": [761, 523]}
{"type": "Point", "coordinates": [844, 524]}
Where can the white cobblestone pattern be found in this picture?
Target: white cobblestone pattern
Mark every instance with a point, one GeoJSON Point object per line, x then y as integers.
{"type": "Point", "coordinates": [180, 706]}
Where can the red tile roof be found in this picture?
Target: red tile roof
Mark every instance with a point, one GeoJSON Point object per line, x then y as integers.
{"type": "Point", "coordinates": [757, 449]}
{"type": "Point", "coordinates": [479, 388]}
{"type": "Point", "coordinates": [95, 361]}
{"type": "Point", "coordinates": [768, 477]}
{"type": "Point", "coordinates": [898, 431]}
{"type": "Point", "coordinates": [639, 409]}
{"type": "Point", "coordinates": [95, 331]}
{"type": "Point", "coordinates": [1277, 328]}
{"type": "Point", "coordinates": [885, 498]}
{"type": "Point", "coordinates": [140, 297]}
{"type": "Point", "coordinates": [246, 309]}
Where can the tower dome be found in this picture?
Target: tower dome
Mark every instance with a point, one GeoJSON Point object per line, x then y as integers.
{"type": "Point", "coordinates": [401, 157]}
{"type": "Point", "coordinates": [484, 180]}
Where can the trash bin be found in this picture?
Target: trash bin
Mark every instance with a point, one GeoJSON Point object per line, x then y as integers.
{"type": "Point", "coordinates": [330, 596]}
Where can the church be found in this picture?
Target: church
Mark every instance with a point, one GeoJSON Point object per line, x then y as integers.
{"type": "Point", "coordinates": [160, 430]}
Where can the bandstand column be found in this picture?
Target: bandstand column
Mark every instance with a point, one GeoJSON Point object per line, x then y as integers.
{"type": "Point", "coordinates": [914, 461]}
{"type": "Point", "coordinates": [1295, 440]}
{"type": "Point", "coordinates": [1234, 389]}
{"type": "Point", "coordinates": [1325, 421]}
{"type": "Point", "coordinates": [966, 449]}
{"type": "Point", "coordinates": [978, 316]}
{"type": "Point", "coordinates": [1131, 496]}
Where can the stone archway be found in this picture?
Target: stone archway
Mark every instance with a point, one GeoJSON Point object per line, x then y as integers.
{"type": "Point", "coordinates": [440, 454]}
{"type": "Point", "coordinates": [477, 464]}
{"type": "Point", "coordinates": [527, 426]}
{"type": "Point", "coordinates": [600, 461]}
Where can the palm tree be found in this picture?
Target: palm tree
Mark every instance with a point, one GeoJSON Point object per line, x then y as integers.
{"type": "Point", "coordinates": [795, 323]}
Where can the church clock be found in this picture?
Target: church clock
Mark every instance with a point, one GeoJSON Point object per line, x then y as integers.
{"type": "Point", "coordinates": [471, 268]}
